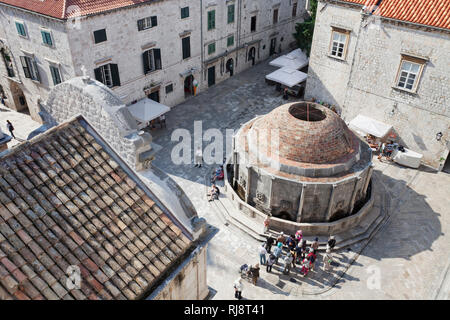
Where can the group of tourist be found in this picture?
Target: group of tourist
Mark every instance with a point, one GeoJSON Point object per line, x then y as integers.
{"type": "Point", "coordinates": [292, 251]}
{"type": "Point", "coordinates": [297, 253]}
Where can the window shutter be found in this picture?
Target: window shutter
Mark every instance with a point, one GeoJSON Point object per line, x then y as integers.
{"type": "Point", "coordinates": [140, 24]}
{"type": "Point", "coordinates": [52, 71]}
{"type": "Point", "coordinates": [154, 21]}
{"type": "Point", "coordinates": [99, 75]}
{"type": "Point", "coordinates": [186, 47]}
{"type": "Point", "coordinates": [115, 74]}
{"type": "Point", "coordinates": [26, 68]}
{"type": "Point", "coordinates": [157, 56]}
{"type": "Point", "coordinates": [145, 61]}
{"type": "Point", "coordinates": [36, 71]}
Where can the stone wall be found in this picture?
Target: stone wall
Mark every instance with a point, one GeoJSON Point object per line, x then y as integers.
{"type": "Point", "coordinates": [125, 46]}
{"type": "Point", "coordinates": [32, 45]}
{"type": "Point", "coordinates": [364, 82]}
{"type": "Point", "coordinates": [188, 282]}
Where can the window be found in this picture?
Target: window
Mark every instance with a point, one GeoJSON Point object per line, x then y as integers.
{"type": "Point", "coordinates": [186, 43]}
{"type": "Point", "coordinates": [253, 24]}
{"type": "Point", "coordinates": [230, 41]}
{"type": "Point", "coordinates": [409, 73]}
{"type": "Point", "coordinates": [211, 19]}
{"type": "Point", "coordinates": [211, 48]}
{"type": "Point", "coordinates": [56, 76]}
{"type": "Point", "coordinates": [231, 13]}
{"type": "Point", "coordinates": [184, 12]}
{"type": "Point", "coordinates": [294, 9]}
{"type": "Point", "coordinates": [30, 68]}
{"type": "Point", "coordinates": [339, 44]}
{"type": "Point", "coordinates": [8, 63]}
{"type": "Point", "coordinates": [21, 29]}
{"type": "Point", "coordinates": [108, 75]}
{"type": "Point", "coordinates": [169, 88]}
{"type": "Point", "coordinates": [147, 23]}
{"type": "Point", "coordinates": [46, 38]}
{"type": "Point", "coordinates": [275, 16]}
{"type": "Point", "coordinates": [100, 36]}
{"type": "Point", "coordinates": [152, 60]}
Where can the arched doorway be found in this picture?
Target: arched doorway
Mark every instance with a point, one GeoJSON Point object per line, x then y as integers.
{"type": "Point", "coordinates": [230, 66]}
{"type": "Point", "coordinates": [19, 100]}
{"type": "Point", "coordinates": [189, 86]}
{"type": "Point", "coordinates": [252, 55]}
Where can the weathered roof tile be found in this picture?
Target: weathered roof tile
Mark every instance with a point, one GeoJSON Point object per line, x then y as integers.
{"type": "Point", "coordinates": [64, 201]}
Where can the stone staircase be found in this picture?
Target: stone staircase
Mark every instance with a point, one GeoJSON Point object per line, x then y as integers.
{"type": "Point", "coordinates": [368, 227]}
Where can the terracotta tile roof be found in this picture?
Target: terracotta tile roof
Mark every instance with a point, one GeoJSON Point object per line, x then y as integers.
{"type": "Point", "coordinates": [434, 13]}
{"type": "Point", "coordinates": [65, 201]}
{"type": "Point", "coordinates": [63, 9]}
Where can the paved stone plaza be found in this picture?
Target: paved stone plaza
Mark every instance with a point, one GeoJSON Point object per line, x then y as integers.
{"type": "Point", "coordinates": [409, 252]}
{"type": "Point", "coordinates": [407, 258]}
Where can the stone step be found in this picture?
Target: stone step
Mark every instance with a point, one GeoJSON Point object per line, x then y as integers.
{"type": "Point", "coordinates": [231, 215]}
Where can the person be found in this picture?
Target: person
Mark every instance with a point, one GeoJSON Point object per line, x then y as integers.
{"type": "Point", "coordinates": [269, 242]}
{"type": "Point", "coordinates": [254, 271]}
{"type": "Point", "coordinates": [298, 253]}
{"type": "Point", "coordinates": [312, 258]}
{"type": "Point", "coordinates": [287, 263]}
{"type": "Point", "coordinates": [327, 260]}
{"type": "Point", "coordinates": [266, 224]}
{"type": "Point", "coordinates": [2, 99]}
{"type": "Point", "coordinates": [315, 244]}
{"type": "Point", "coordinates": [304, 243]}
{"type": "Point", "coordinates": [213, 193]}
{"type": "Point", "coordinates": [270, 262]}
{"type": "Point", "coordinates": [262, 254]}
{"type": "Point", "coordinates": [281, 238]}
{"type": "Point", "coordinates": [299, 235]}
{"type": "Point", "coordinates": [162, 120]}
{"type": "Point", "coordinates": [294, 257]}
{"type": "Point", "coordinates": [387, 150]}
{"type": "Point", "coordinates": [331, 243]}
{"type": "Point", "coordinates": [285, 94]}
{"type": "Point", "coordinates": [278, 251]}
{"type": "Point", "coordinates": [290, 243]}
{"type": "Point", "coordinates": [305, 267]}
{"type": "Point", "coordinates": [238, 286]}
{"type": "Point", "coordinates": [10, 128]}
{"type": "Point", "coordinates": [218, 174]}
{"type": "Point", "coordinates": [198, 157]}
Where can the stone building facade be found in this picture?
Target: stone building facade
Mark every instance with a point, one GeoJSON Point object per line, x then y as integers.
{"type": "Point", "coordinates": [378, 44]}
{"type": "Point", "coordinates": [155, 49]}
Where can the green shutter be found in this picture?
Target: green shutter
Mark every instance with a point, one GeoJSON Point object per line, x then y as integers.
{"type": "Point", "coordinates": [46, 38]}
{"type": "Point", "coordinates": [230, 41]}
{"type": "Point", "coordinates": [211, 48]}
{"type": "Point", "coordinates": [231, 13]}
{"type": "Point", "coordinates": [20, 29]}
{"type": "Point", "coordinates": [211, 19]}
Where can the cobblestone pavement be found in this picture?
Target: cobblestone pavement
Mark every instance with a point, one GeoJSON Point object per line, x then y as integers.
{"type": "Point", "coordinates": [408, 258]}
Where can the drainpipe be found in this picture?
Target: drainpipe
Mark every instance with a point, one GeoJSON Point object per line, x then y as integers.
{"type": "Point", "coordinates": [238, 31]}
{"type": "Point", "coordinates": [201, 40]}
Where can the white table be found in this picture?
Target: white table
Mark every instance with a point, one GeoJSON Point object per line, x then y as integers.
{"type": "Point", "coordinates": [408, 158]}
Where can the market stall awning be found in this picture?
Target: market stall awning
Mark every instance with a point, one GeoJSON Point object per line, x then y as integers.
{"type": "Point", "coordinates": [146, 110]}
{"type": "Point", "coordinates": [287, 76]}
{"type": "Point", "coordinates": [295, 60]}
{"type": "Point", "coordinates": [365, 125]}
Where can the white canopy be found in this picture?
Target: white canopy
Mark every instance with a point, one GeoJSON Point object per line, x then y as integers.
{"type": "Point", "coordinates": [295, 60]}
{"type": "Point", "coordinates": [287, 76]}
{"type": "Point", "coordinates": [146, 110]}
{"type": "Point", "coordinates": [365, 125]}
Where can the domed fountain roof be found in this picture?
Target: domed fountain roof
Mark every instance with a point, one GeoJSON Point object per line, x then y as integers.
{"type": "Point", "coordinates": [301, 138]}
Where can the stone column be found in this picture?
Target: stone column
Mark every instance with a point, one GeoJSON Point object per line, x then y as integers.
{"type": "Point", "coordinates": [301, 202]}
{"type": "Point", "coordinates": [369, 175]}
{"type": "Point", "coordinates": [249, 178]}
{"type": "Point", "coordinates": [355, 189]}
{"type": "Point", "coordinates": [235, 168]}
{"type": "Point", "coordinates": [330, 204]}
